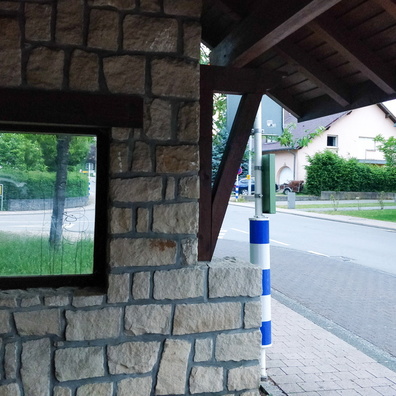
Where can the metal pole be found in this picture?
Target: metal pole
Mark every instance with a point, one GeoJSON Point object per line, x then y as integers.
{"type": "Point", "coordinates": [250, 166]}
{"type": "Point", "coordinates": [259, 244]}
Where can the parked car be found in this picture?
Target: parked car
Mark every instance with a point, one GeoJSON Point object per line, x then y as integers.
{"type": "Point", "coordinates": [291, 186]}
{"type": "Point", "coordinates": [243, 186]}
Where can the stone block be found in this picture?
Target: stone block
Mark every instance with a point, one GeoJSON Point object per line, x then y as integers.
{"type": "Point", "coordinates": [87, 298]}
{"type": "Point", "coordinates": [103, 29]}
{"type": "Point", "coordinates": [5, 325]}
{"type": "Point", "coordinates": [238, 346]}
{"type": "Point", "coordinates": [158, 117]}
{"type": "Point", "coordinates": [141, 158]}
{"type": "Point", "coordinates": [10, 360]}
{"type": "Point", "coordinates": [30, 301]}
{"type": "Point", "coordinates": [45, 68]}
{"type": "Point", "coordinates": [179, 218]}
{"type": "Point", "coordinates": [93, 325]}
{"type": "Point", "coordinates": [38, 323]}
{"type": "Point", "coordinates": [148, 319]}
{"type": "Point", "coordinates": [246, 377]}
{"type": "Point", "coordinates": [175, 77]}
{"type": "Point", "coordinates": [170, 194]}
{"type": "Point", "coordinates": [36, 377]}
{"type": "Point", "coordinates": [141, 386]}
{"type": "Point", "coordinates": [141, 285]}
{"type": "Point", "coordinates": [56, 301]}
{"type": "Point", "coordinates": [179, 283]}
{"type": "Point", "coordinates": [177, 159]}
{"type": "Point", "coordinates": [202, 318]}
{"type": "Point", "coordinates": [188, 122]}
{"type": "Point", "coordinates": [84, 71]}
{"type": "Point", "coordinates": [119, 288]}
{"type": "Point", "coordinates": [119, 158]}
{"type": "Point", "coordinates": [206, 379]}
{"type": "Point", "coordinates": [203, 350]}
{"type": "Point", "coordinates": [148, 34]}
{"type": "Point", "coordinates": [139, 189]}
{"type": "Point", "coordinates": [10, 34]}
{"type": "Point", "coordinates": [100, 389]}
{"type": "Point", "coordinates": [190, 8]}
{"type": "Point", "coordinates": [189, 251]}
{"type": "Point", "coordinates": [143, 217]}
{"type": "Point", "coordinates": [62, 391]}
{"type": "Point", "coordinates": [10, 67]}
{"type": "Point", "coordinates": [78, 363]}
{"type": "Point", "coordinates": [172, 374]}
{"type": "Point", "coordinates": [120, 220]}
{"type": "Point", "coordinates": [10, 390]}
{"type": "Point", "coordinates": [233, 277]}
{"type": "Point", "coordinates": [38, 22]}
{"type": "Point", "coordinates": [189, 187]}
{"type": "Point", "coordinates": [252, 317]}
{"type": "Point", "coordinates": [142, 252]}
{"type": "Point", "coordinates": [69, 22]}
{"type": "Point", "coordinates": [119, 4]}
{"type": "Point", "coordinates": [192, 39]}
{"type": "Point", "coordinates": [133, 357]}
{"type": "Point", "coordinates": [121, 133]}
{"type": "Point", "coordinates": [150, 5]}
{"type": "Point", "coordinates": [9, 6]}
{"type": "Point", "coordinates": [125, 74]}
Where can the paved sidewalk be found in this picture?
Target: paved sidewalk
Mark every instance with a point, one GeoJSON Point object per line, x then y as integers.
{"type": "Point", "coordinates": [307, 360]}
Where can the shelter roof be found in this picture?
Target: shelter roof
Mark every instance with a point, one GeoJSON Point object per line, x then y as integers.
{"type": "Point", "coordinates": [335, 55]}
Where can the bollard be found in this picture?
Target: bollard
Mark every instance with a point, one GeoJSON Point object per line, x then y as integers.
{"type": "Point", "coordinates": [260, 255]}
{"type": "Point", "coordinates": [291, 200]}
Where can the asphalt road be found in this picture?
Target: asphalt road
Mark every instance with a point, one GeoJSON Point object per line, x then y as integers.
{"type": "Point", "coordinates": [355, 297]}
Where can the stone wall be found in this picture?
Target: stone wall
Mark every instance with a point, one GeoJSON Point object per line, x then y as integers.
{"type": "Point", "coordinates": [166, 325]}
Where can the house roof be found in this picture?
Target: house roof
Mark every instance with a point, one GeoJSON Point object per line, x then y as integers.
{"type": "Point", "coordinates": [334, 55]}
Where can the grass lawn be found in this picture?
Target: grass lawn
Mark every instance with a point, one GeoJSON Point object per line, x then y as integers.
{"type": "Point", "coordinates": [378, 214]}
{"type": "Point", "coordinates": [341, 205]}
{"type": "Point", "coordinates": [32, 255]}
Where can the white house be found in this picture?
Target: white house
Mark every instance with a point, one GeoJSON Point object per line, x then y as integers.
{"type": "Point", "coordinates": [350, 134]}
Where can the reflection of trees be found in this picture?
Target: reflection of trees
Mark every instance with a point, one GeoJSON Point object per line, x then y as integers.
{"type": "Point", "coordinates": [62, 157]}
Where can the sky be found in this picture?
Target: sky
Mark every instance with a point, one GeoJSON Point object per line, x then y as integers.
{"type": "Point", "coordinates": [391, 105]}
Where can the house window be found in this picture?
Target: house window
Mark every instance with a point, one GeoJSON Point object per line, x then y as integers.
{"type": "Point", "coordinates": [332, 141]}
{"type": "Point", "coordinates": [53, 206]}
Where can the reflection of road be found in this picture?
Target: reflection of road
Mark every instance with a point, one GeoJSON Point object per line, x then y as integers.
{"type": "Point", "coordinates": [76, 221]}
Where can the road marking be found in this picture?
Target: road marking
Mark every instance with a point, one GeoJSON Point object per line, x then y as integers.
{"type": "Point", "coordinates": [280, 243]}
{"type": "Point", "coordinates": [236, 229]}
{"type": "Point", "coordinates": [318, 254]}
{"type": "Point", "coordinates": [222, 233]}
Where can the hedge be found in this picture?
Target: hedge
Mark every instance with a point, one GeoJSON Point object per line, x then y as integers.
{"type": "Point", "coordinates": [40, 185]}
{"type": "Point", "coordinates": [329, 172]}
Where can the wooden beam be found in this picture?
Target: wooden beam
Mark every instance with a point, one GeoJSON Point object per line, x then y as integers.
{"type": "Point", "coordinates": [232, 158]}
{"type": "Point", "coordinates": [314, 71]}
{"type": "Point", "coordinates": [231, 80]}
{"type": "Point", "coordinates": [264, 28]}
{"type": "Point", "coordinates": [389, 6]}
{"type": "Point", "coordinates": [356, 52]}
{"type": "Point", "coordinates": [71, 108]}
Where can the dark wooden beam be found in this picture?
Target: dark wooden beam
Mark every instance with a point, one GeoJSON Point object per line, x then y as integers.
{"type": "Point", "coordinates": [232, 158]}
{"type": "Point", "coordinates": [389, 6]}
{"type": "Point", "coordinates": [356, 52]}
{"type": "Point", "coordinates": [265, 28]}
{"type": "Point", "coordinates": [312, 69]}
{"type": "Point", "coordinates": [70, 108]}
{"type": "Point", "coordinates": [364, 95]}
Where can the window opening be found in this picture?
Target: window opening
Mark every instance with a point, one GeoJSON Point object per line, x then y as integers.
{"type": "Point", "coordinates": [332, 141]}
{"type": "Point", "coordinates": [52, 192]}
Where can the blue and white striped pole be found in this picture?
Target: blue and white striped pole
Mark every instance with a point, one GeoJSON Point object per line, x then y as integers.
{"type": "Point", "coordinates": [260, 255]}
{"type": "Point", "coordinates": [259, 244]}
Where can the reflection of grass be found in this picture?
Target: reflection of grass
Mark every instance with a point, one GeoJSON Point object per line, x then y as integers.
{"type": "Point", "coordinates": [31, 255]}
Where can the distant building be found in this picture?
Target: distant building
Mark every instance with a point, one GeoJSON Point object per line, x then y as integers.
{"type": "Point", "coordinates": [350, 134]}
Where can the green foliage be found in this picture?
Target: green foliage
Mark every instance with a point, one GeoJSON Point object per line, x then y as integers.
{"type": "Point", "coordinates": [329, 172]}
{"type": "Point", "coordinates": [40, 185]}
{"type": "Point", "coordinates": [388, 148]}
{"type": "Point", "coordinates": [287, 138]}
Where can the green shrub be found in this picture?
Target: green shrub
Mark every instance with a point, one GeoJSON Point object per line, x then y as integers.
{"type": "Point", "coordinates": [329, 172]}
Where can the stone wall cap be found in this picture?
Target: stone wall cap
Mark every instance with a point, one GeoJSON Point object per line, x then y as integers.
{"type": "Point", "coordinates": [229, 262]}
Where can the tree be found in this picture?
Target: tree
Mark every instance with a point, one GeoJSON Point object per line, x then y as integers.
{"type": "Point", "coordinates": [287, 138]}
{"type": "Point", "coordinates": [388, 148]}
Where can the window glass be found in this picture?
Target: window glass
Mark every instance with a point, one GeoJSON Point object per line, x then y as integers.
{"type": "Point", "coordinates": [332, 141]}
{"type": "Point", "coordinates": [48, 204]}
